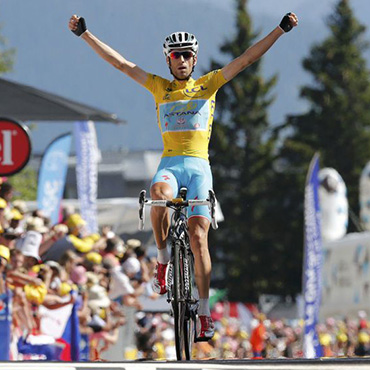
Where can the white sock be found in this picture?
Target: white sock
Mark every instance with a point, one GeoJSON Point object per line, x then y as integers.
{"type": "Point", "coordinates": [163, 256]}
{"type": "Point", "coordinates": [204, 307]}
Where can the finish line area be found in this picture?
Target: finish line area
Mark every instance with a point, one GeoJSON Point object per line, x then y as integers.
{"type": "Point", "coordinates": [283, 364]}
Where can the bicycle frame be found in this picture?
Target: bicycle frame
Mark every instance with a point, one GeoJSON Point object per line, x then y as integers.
{"type": "Point", "coordinates": [180, 271]}
{"type": "Point", "coordinates": [181, 285]}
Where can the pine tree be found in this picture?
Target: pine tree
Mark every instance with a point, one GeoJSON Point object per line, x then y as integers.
{"type": "Point", "coordinates": [241, 156]}
{"type": "Point", "coordinates": [337, 123]}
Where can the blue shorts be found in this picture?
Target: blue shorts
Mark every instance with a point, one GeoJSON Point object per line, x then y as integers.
{"type": "Point", "coordinates": [192, 172]}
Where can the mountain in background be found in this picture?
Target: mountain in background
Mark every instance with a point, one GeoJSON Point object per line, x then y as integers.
{"type": "Point", "coordinates": [50, 57]}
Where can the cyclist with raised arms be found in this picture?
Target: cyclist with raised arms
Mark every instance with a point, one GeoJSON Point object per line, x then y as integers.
{"type": "Point", "coordinates": [185, 109]}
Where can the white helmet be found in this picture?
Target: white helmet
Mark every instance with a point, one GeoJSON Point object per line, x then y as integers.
{"type": "Point", "coordinates": [178, 41]}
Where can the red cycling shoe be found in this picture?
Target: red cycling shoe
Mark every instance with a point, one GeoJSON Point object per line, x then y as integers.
{"type": "Point", "coordinates": [159, 280]}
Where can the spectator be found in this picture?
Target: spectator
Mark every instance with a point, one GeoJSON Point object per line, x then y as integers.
{"type": "Point", "coordinates": [76, 240]}
{"type": "Point", "coordinates": [121, 289]}
{"type": "Point", "coordinates": [29, 245]}
{"type": "Point", "coordinates": [8, 237]}
{"type": "Point", "coordinates": [6, 195]}
{"type": "Point", "coordinates": [258, 337]}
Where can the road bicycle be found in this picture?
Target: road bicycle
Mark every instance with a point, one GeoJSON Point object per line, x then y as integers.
{"type": "Point", "coordinates": [180, 279]}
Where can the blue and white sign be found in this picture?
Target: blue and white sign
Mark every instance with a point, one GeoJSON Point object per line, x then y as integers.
{"type": "Point", "coordinates": [52, 176]}
{"type": "Point", "coordinates": [312, 262]}
{"type": "Point", "coordinates": [87, 172]}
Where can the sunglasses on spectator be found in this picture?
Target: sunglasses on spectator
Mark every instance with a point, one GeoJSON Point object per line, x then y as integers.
{"type": "Point", "coordinates": [185, 54]}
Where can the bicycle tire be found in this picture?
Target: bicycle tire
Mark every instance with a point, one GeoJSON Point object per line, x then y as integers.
{"type": "Point", "coordinates": [189, 323]}
{"type": "Point", "coordinates": [178, 303]}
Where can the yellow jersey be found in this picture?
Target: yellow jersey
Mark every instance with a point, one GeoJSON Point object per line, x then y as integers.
{"type": "Point", "coordinates": [185, 112]}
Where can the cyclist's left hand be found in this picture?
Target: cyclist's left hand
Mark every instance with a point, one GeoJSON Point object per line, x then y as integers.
{"type": "Point", "coordinates": [289, 21]}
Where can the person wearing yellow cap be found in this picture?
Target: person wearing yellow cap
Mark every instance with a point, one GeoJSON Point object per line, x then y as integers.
{"type": "Point", "coordinates": [94, 257]}
{"type": "Point", "coordinates": [6, 195]}
{"type": "Point", "coordinates": [15, 219]}
{"type": "Point", "coordinates": [363, 344]}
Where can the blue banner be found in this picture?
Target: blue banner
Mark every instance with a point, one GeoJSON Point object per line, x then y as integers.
{"type": "Point", "coordinates": [5, 322]}
{"type": "Point", "coordinates": [52, 176]}
{"type": "Point", "coordinates": [87, 172]}
{"type": "Point", "coordinates": [312, 262]}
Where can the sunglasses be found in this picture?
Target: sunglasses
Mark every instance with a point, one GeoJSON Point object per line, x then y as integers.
{"type": "Point", "coordinates": [185, 54]}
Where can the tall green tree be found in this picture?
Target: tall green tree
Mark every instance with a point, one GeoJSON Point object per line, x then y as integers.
{"type": "Point", "coordinates": [241, 156]}
{"type": "Point", "coordinates": [25, 184]}
{"type": "Point", "coordinates": [337, 123]}
{"type": "Point", "coordinates": [6, 56]}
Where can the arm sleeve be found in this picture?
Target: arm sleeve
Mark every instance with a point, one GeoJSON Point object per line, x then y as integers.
{"type": "Point", "coordinates": [81, 245]}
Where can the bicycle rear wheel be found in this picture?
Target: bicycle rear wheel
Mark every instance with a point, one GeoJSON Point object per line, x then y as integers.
{"type": "Point", "coordinates": [179, 303]}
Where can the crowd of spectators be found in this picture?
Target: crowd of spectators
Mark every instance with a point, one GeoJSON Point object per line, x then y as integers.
{"type": "Point", "coordinates": [52, 266]}
{"type": "Point", "coordinates": [261, 338]}
{"type": "Point", "coordinates": [55, 265]}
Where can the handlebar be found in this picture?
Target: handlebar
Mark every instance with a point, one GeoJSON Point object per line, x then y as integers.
{"type": "Point", "coordinates": [177, 203]}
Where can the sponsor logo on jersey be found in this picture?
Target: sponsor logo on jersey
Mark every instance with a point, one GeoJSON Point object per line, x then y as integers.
{"type": "Point", "coordinates": [196, 92]}
{"type": "Point", "coordinates": [184, 115]}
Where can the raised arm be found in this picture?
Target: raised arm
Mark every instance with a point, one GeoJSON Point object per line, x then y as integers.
{"type": "Point", "coordinates": [256, 51]}
{"type": "Point", "coordinates": [78, 26]}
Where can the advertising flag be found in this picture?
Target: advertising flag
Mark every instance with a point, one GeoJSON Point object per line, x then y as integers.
{"type": "Point", "coordinates": [87, 172]}
{"type": "Point", "coordinates": [312, 262]}
{"type": "Point", "coordinates": [60, 331]}
{"type": "Point", "coordinates": [72, 335]}
{"type": "Point", "coordinates": [52, 176]}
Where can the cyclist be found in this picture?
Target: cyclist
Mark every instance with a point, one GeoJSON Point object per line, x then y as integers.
{"type": "Point", "coordinates": [185, 109]}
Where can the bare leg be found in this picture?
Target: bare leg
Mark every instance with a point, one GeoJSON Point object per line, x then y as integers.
{"type": "Point", "coordinates": [158, 215]}
{"type": "Point", "coordinates": [198, 231]}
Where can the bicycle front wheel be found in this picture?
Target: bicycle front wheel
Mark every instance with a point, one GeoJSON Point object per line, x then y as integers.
{"type": "Point", "coordinates": [191, 302]}
{"type": "Point", "coordinates": [179, 303]}
{"type": "Point", "coordinates": [189, 330]}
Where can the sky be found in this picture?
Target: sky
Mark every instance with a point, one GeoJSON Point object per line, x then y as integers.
{"type": "Point", "coordinates": [51, 58]}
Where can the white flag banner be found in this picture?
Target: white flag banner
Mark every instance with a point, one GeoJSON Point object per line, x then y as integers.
{"type": "Point", "coordinates": [87, 172]}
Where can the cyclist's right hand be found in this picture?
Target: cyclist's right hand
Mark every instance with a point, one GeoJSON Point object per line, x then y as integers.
{"type": "Point", "coordinates": [77, 25]}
